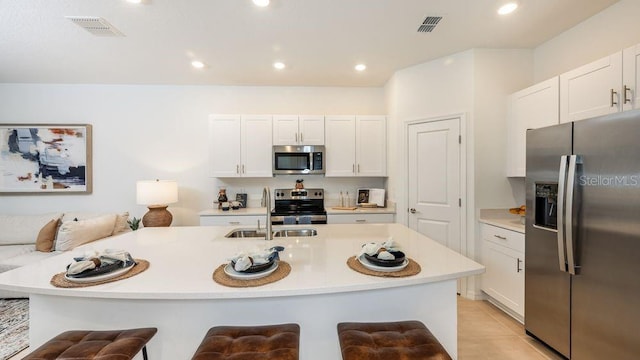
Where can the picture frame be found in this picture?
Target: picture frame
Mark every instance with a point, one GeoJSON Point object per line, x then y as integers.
{"type": "Point", "coordinates": [45, 159]}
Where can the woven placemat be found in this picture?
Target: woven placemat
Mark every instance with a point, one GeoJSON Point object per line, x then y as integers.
{"type": "Point", "coordinates": [412, 268]}
{"type": "Point", "coordinates": [222, 278]}
{"type": "Point", "coordinates": [58, 280]}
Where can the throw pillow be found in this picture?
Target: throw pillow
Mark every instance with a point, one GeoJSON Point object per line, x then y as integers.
{"type": "Point", "coordinates": [120, 227]}
{"type": "Point", "coordinates": [47, 236]}
{"type": "Point", "coordinates": [121, 224]}
{"type": "Point", "coordinates": [75, 233]}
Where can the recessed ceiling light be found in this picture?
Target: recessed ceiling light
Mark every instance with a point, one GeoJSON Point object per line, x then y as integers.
{"type": "Point", "coordinates": [197, 64]}
{"type": "Point", "coordinates": [261, 3]}
{"type": "Point", "coordinates": [507, 8]}
{"type": "Point", "coordinates": [279, 65]}
{"type": "Point", "coordinates": [361, 67]}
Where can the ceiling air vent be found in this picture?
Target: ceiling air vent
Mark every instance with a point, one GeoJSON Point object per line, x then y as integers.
{"type": "Point", "coordinates": [429, 23]}
{"type": "Point", "coordinates": [95, 25]}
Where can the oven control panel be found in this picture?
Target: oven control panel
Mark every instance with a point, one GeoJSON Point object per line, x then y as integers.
{"type": "Point", "coordinates": [299, 194]}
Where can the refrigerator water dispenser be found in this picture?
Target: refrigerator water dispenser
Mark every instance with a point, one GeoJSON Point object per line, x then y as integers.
{"type": "Point", "coordinates": [546, 214]}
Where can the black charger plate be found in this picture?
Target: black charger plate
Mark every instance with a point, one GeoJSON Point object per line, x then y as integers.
{"type": "Point", "coordinates": [387, 263]}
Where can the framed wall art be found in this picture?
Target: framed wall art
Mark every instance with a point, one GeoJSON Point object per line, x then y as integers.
{"type": "Point", "coordinates": [45, 159]}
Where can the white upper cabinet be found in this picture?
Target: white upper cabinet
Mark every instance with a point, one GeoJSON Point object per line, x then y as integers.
{"type": "Point", "coordinates": [298, 130]}
{"type": "Point", "coordinates": [257, 146]}
{"type": "Point", "coordinates": [224, 145]}
{"type": "Point", "coordinates": [240, 146]}
{"type": "Point", "coordinates": [591, 90]}
{"type": "Point", "coordinates": [602, 87]}
{"type": "Point", "coordinates": [371, 146]}
{"type": "Point", "coordinates": [531, 108]}
{"type": "Point", "coordinates": [356, 146]}
{"type": "Point", "coordinates": [340, 149]}
{"type": "Point", "coordinates": [631, 78]}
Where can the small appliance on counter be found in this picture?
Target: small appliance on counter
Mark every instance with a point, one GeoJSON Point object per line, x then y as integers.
{"type": "Point", "coordinates": [371, 197]}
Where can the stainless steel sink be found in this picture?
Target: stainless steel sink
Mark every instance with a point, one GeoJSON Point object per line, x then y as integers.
{"type": "Point", "coordinates": [245, 233]}
{"type": "Point", "coordinates": [295, 232]}
{"type": "Point", "coordinates": [253, 233]}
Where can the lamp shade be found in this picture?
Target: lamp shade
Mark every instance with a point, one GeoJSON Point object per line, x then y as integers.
{"type": "Point", "coordinates": [156, 192]}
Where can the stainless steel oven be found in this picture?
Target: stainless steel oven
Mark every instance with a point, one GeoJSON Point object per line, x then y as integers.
{"type": "Point", "coordinates": [299, 206]}
{"type": "Point", "coordinates": [298, 160]}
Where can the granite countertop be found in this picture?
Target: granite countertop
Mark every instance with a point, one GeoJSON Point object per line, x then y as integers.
{"type": "Point", "coordinates": [502, 218]}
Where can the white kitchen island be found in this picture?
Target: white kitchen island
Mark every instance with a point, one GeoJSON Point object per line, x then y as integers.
{"type": "Point", "coordinates": [178, 295]}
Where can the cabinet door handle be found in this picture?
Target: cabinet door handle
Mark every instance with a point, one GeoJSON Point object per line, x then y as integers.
{"type": "Point", "coordinates": [353, 168]}
{"type": "Point", "coordinates": [500, 237]}
{"type": "Point", "coordinates": [301, 138]}
{"type": "Point", "coordinates": [613, 94]}
{"type": "Point", "coordinates": [518, 262]}
{"type": "Point", "coordinates": [296, 137]}
{"type": "Point", "coordinates": [361, 220]}
{"type": "Point", "coordinates": [243, 168]}
{"type": "Point", "coordinates": [358, 168]}
{"type": "Point", "coordinates": [626, 90]}
{"type": "Point", "coordinates": [237, 169]}
{"type": "Point", "coordinates": [234, 222]}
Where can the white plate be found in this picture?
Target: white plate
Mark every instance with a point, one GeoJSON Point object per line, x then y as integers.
{"type": "Point", "coordinates": [106, 276]}
{"type": "Point", "coordinates": [249, 276]}
{"type": "Point", "coordinates": [373, 267]}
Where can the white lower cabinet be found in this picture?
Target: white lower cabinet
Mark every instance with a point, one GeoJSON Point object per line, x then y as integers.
{"type": "Point", "coordinates": [360, 218]}
{"type": "Point", "coordinates": [211, 220]}
{"type": "Point", "coordinates": [503, 257]}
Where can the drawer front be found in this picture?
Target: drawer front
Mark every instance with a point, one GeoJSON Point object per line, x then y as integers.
{"type": "Point", "coordinates": [360, 219]}
{"type": "Point", "coordinates": [511, 239]}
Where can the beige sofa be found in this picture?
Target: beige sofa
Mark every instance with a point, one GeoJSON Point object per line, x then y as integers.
{"type": "Point", "coordinates": [26, 239]}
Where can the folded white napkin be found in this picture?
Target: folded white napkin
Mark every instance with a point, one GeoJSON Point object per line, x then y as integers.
{"type": "Point", "coordinates": [94, 259]}
{"type": "Point", "coordinates": [245, 259]}
{"type": "Point", "coordinates": [373, 248]}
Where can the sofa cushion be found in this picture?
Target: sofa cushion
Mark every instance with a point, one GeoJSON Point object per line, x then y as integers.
{"type": "Point", "coordinates": [20, 255]}
{"type": "Point", "coordinates": [23, 229]}
{"type": "Point", "coordinates": [47, 236]}
{"type": "Point", "coordinates": [76, 233]}
{"type": "Point", "coordinates": [121, 225]}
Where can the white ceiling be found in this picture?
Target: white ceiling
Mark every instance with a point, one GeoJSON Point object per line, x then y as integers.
{"type": "Point", "coordinates": [320, 40]}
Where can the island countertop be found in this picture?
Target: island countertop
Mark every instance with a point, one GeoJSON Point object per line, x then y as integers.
{"type": "Point", "coordinates": [182, 261]}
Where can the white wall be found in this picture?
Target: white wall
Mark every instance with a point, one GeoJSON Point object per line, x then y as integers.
{"type": "Point", "coordinates": [609, 31]}
{"type": "Point", "coordinates": [475, 83]}
{"type": "Point", "coordinates": [435, 88]}
{"type": "Point", "coordinates": [498, 73]}
{"type": "Point", "coordinates": [148, 132]}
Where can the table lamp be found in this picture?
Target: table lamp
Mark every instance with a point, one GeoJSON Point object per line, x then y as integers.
{"type": "Point", "coordinates": [156, 194]}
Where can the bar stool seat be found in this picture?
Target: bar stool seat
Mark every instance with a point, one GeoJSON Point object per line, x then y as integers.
{"type": "Point", "coordinates": [95, 345]}
{"type": "Point", "coordinates": [406, 340]}
{"type": "Point", "coordinates": [268, 342]}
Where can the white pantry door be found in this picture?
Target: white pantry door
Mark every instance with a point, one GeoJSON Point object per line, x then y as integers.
{"type": "Point", "coordinates": [434, 181]}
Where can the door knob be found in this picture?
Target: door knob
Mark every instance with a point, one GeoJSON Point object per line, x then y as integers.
{"type": "Point", "coordinates": [412, 210]}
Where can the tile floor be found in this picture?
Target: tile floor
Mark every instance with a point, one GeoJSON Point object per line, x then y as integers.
{"type": "Point", "coordinates": [484, 332]}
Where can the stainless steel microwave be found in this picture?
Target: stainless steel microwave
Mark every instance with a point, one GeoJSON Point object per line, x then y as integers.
{"type": "Point", "coordinates": [298, 159]}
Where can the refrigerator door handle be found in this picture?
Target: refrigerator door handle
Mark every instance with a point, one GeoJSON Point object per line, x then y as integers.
{"type": "Point", "coordinates": [562, 178]}
{"type": "Point", "coordinates": [571, 182]}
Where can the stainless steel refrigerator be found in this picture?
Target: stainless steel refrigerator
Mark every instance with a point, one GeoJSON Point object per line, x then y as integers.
{"type": "Point", "coordinates": [582, 239]}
